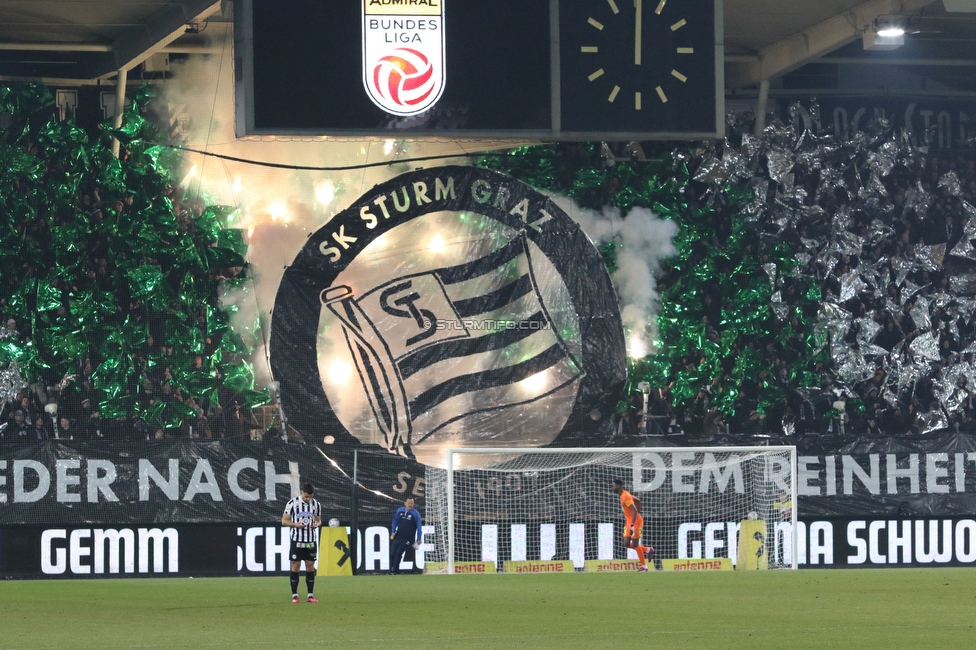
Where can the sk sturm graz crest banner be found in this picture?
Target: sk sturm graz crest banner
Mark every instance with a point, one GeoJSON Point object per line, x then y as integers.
{"type": "Point", "coordinates": [449, 307]}
{"type": "Point", "coordinates": [403, 54]}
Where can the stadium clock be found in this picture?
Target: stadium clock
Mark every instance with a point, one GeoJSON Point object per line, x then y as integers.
{"type": "Point", "coordinates": [647, 65]}
{"type": "Point", "coordinates": [653, 73]}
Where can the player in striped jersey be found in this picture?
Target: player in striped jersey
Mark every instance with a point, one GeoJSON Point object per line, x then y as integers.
{"type": "Point", "coordinates": [303, 515]}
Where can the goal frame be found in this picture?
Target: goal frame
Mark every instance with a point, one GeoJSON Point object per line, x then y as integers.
{"type": "Point", "coordinates": [453, 451]}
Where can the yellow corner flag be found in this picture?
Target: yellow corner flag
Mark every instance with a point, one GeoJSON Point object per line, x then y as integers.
{"type": "Point", "coordinates": [335, 556]}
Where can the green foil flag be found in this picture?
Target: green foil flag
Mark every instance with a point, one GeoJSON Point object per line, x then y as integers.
{"type": "Point", "coordinates": [98, 266]}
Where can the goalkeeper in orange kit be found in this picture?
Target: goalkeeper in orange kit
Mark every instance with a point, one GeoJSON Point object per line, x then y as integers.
{"type": "Point", "coordinates": [633, 528]}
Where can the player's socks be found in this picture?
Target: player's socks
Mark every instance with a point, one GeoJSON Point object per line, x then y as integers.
{"type": "Point", "coordinates": [310, 583]}
{"type": "Point", "coordinates": [640, 554]}
{"type": "Point", "coordinates": [294, 583]}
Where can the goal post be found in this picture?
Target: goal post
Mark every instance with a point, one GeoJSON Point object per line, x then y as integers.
{"type": "Point", "coordinates": [501, 505]}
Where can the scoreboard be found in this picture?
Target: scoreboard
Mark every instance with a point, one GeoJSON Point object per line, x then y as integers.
{"type": "Point", "coordinates": [547, 69]}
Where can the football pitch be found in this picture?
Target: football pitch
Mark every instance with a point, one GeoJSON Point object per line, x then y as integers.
{"type": "Point", "coordinates": [898, 608]}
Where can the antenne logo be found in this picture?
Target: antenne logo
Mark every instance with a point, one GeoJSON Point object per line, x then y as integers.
{"type": "Point", "coordinates": [403, 54]}
{"type": "Point", "coordinates": [448, 307]}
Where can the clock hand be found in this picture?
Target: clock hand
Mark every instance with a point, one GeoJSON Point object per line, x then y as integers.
{"type": "Point", "coordinates": [639, 6]}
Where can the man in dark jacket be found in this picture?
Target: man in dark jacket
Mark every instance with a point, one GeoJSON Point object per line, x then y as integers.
{"type": "Point", "coordinates": [407, 531]}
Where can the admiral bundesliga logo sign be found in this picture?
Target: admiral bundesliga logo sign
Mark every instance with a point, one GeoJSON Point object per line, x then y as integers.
{"type": "Point", "coordinates": [452, 306]}
{"type": "Point", "coordinates": [403, 54]}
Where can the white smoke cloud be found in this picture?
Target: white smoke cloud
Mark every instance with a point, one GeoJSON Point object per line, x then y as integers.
{"type": "Point", "coordinates": [280, 208]}
{"type": "Point", "coordinates": [645, 239]}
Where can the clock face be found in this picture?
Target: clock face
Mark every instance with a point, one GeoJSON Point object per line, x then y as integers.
{"type": "Point", "coordinates": [638, 66]}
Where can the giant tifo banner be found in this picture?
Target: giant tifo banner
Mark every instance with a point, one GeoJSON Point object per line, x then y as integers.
{"type": "Point", "coordinates": [449, 307]}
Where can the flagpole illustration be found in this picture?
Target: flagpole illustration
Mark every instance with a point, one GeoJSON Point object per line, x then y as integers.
{"type": "Point", "coordinates": [375, 366]}
{"type": "Point", "coordinates": [418, 377]}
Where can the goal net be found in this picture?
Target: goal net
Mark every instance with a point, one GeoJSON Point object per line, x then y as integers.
{"type": "Point", "coordinates": [515, 505]}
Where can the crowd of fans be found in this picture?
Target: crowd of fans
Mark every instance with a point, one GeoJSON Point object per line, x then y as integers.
{"type": "Point", "coordinates": [71, 412]}
{"type": "Point", "coordinates": [874, 404]}
{"type": "Point", "coordinates": [47, 412]}
{"type": "Point", "coordinates": [69, 409]}
{"type": "Point", "coordinates": [68, 406]}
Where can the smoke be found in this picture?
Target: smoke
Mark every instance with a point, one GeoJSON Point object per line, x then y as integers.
{"type": "Point", "coordinates": [644, 240]}
{"type": "Point", "coordinates": [279, 208]}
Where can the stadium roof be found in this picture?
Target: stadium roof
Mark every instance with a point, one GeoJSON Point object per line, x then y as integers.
{"type": "Point", "coordinates": [764, 39]}
{"type": "Point", "coordinates": [90, 40]}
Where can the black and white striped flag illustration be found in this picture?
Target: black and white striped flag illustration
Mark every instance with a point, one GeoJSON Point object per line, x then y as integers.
{"type": "Point", "coordinates": [435, 347]}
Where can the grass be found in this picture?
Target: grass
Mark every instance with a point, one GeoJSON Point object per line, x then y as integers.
{"type": "Point", "coordinates": [894, 608]}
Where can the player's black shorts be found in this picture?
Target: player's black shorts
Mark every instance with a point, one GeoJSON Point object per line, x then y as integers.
{"type": "Point", "coordinates": [303, 551]}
